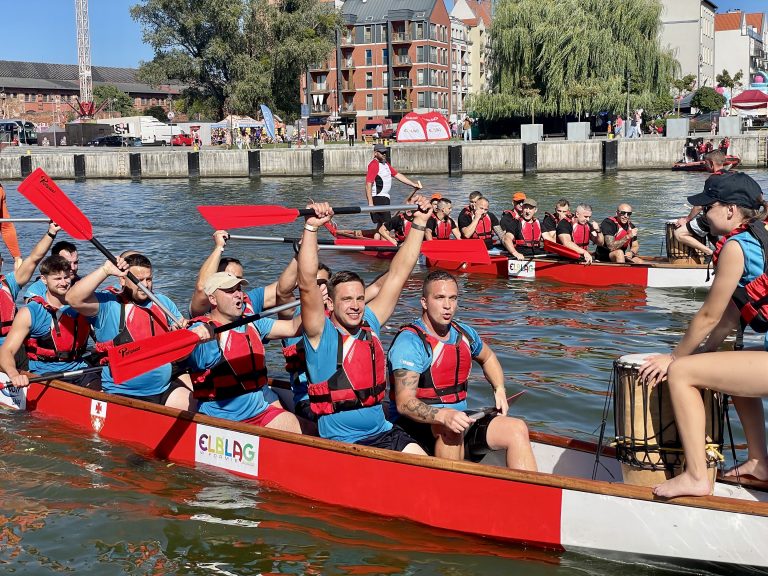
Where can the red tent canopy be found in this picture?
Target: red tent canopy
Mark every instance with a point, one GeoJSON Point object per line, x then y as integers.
{"type": "Point", "coordinates": [750, 100]}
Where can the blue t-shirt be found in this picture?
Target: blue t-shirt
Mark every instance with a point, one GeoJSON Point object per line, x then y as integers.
{"type": "Point", "coordinates": [41, 326]}
{"type": "Point", "coordinates": [409, 353]}
{"type": "Point", "coordinates": [247, 405]}
{"type": "Point", "coordinates": [256, 296]}
{"type": "Point", "coordinates": [754, 262]}
{"type": "Point", "coordinates": [14, 288]}
{"type": "Point", "coordinates": [105, 324]}
{"type": "Point", "coordinates": [298, 380]}
{"type": "Point", "coordinates": [349, 425]}
{"type": "Point", "coordinates": [37, 288]}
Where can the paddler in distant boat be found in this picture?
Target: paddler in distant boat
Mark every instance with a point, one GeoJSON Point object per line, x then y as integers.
{"type": "Point", "coordinates": [395, 230]}
{"type": "Point", "coordinates": [441, 226]}
{"type": "Point", "coordinates": [468, 209]}
{"type": "Point", "coordinates": [51, 335]}
{"type": "Point", "coordinates": [579, 232]}
{"type": "Point", "coordinates": [484, 225]}
{"type": "Point", "coordinates": [229, 372]}
{"type": "Point", "coordinates": [524, 234]}
{"type": "Point", "coordinates": [550, 221]}
{"type": "Point", "coordinates": [518, 198]}
{"type": "Point", "coordinates": [68, 251]}
{"type": "Point", "coordinates": [256, 299]}
{"type": "Point", "coordinates": [620, 238]}
{"type": "Point", "coordinates": [378, 183]}
{"type": "Point", "coordinates": [346, 363]}
{"type": "Point", "coordinates": [430, 362]}
{"type": "Point", "coordinates": [123, 315]}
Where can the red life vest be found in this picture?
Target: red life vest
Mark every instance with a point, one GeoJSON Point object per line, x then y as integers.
{"type": "Point", "coordinates": [7, 307]}
{"type": "Point", "coordinates": [484, 229]}
{"type": "Point", "coordinates": [66, 340]}
{"type": "Point", "coordinates": [443, 229]}
{"type": "Point", "coordinates": [136, 323]}
{"type": "Point", "coordinates": [360, 379]}
{"type": "Point", "coordinates": [531, 231]}
{"type": "Point", "coordinates": [581, 234]}
{"type": "Point", "coordinates": [400, 236]}
{"type": "Point", "coordinates": [241, 367]}
{"type": "Point", "coordinates": [752, 299]}
{"type": "Point", "coordinates": [248, 308]}
{"type": "Point", "coordinates": [556, 217]}
{"type": "Point", "coordinates": [723, 239]}
{"type": "Point", "coordinates": [514, 214]}
{"type": "Point", "coordinates": [622, 232]}
{"type": "Point", "coordinates": [445, 382]}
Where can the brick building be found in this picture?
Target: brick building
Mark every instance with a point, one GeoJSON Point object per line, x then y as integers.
{"type": "Point", "coordinates": [742, 45]}
{"type": "Point", "coordinates": [41, 92]}
{"type": "Point", "coordinates": [391, 58]}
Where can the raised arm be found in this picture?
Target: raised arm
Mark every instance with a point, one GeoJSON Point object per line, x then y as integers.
{"type": "Point", "coordinates": [312, 308]}
{"type": "Point", "coordinates": [81, 296]}
{"type": "Point", "coordinates": [27, 267]}
{"type": "Point", "coordinates": [284, 288]}
{"type": "Point", "coordinates": [19, 331]}
{"type": "Point", "coordinates": [403, 262]}
{"type": "Point", "coordinates": [199, 304]}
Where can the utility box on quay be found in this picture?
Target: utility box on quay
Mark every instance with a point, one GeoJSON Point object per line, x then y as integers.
{"type": "Point", "coordinates": [578, 131]}
{"type": "Point", "coordinates": [729, 126]}
{"type": "Point", "coordinates": [531, 133]}
{"type": "Point", "coordinates": [677, 128]}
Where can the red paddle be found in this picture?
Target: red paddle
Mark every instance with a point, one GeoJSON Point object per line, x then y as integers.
{"type": "Point", "coordinates": [6, 383]}
{"type": "Point", "coordinates": [560, 250]}
{"type": "Point", "coordinates": [472, 251]}
{"type": "Point", "coordinates": [226, 217]}
{"type": "Point", "coordinates": [43, 192]}
{"type": "Point", "coordinates": [130, 360]}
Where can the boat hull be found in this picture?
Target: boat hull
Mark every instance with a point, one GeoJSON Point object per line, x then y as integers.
{"type": "Point", "coordinates": [546, 509]}
{"type": "Point", "coordinates": [701, 166]}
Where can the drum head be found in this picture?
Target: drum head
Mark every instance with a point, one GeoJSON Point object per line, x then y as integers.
{"type": "Point", "coordinates": [634, 360]}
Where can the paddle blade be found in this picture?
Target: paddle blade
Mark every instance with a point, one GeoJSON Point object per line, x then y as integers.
{"type": "Point", "coordinates": [227, 217]}
{"type": "Point", "coordinates": [43, 192]}
{"type": "Point", "coordinates": [135, 358]}
{"type": "Point", "coordinates": [472, 251]}
{"type": "Point", "coordinates": [560, 250]}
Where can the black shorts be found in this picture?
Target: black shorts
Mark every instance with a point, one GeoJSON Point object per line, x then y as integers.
{"type": "Point", "coordinates": [304, 410]}
{"type": "Point", "coordinates": [475, 438]}
{"type": "Point", "coordinates": [161, 398]}
{"type": "Point", "coordinates": [90, 380]}
{"type": "Point", "coordinates": [381, 217]}
{"type": "Point", "coordinates": [395, 439]}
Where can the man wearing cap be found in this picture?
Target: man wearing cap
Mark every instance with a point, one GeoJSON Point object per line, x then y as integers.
{"type": "Point", "coordinates": [619, 238]}
{"type": "Point", "coordinates": [123, 315]}
{"type": "Point", "coordinates": [229, 373]}
{"type": "Point", "coordinates": [517, 206]}
{"type": "Point", "coordinates": [381, 173]}
{"type": "Point", "coordinates": [525, 233]}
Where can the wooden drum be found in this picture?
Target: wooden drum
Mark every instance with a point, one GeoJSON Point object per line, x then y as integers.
{"type": "Point", "coordinates": [677, 251]}
{"type": "Point", "coordinates": [647, 444]}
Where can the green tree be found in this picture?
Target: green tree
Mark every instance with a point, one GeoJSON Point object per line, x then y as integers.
{"type": "Point", "coordinates": [156, 112]}
{"type": "Point", "coordinates": [707, 99]}
{"type": "Point", "coordinates": [113, 99]}
{"type": "Point", "coordinates": [578, 60]}
{"type": "Point", "coordinates": [682, 86]}
{"type": "Point", "coordinates": [236, 54]}
{"type": "Point", "coordinates": [727, 81]}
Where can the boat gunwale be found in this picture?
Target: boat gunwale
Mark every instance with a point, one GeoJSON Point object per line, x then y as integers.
{"type": "Point", "coordinates": [600, 487]}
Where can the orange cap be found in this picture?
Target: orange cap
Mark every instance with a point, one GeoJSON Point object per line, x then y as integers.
{"type": "Point", "coordinates": [437, 196]}
{"type": "Point", "coordinates": [517, 196]}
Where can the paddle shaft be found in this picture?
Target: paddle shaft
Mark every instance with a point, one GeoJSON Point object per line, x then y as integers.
{"type": "Point", "coordinates": [361, 209]}
{"type": "Point", "coordinates": [321, 244]}
{"type": "Point", "coordinates": [111, 257]}
{"type": "Point", "coordinates": [46, 220]}
{"type": "Point", "coordinates": [248, 319]}
{"type": "Point", "coordinates": [58, 375]}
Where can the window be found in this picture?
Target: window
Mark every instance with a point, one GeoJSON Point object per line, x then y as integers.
{"type": "Point", "coordinates": [368, 57]}
{"type": "Point", "coordinates": [420, 31]}
{"type": "Point", "coordinates": [420, 77]}
{"type": "Point", "coordinates": [385, 55]}
{"type": "Point", "coordinates": [369, 79]}
{"type": "Point", "coordinates": [420, 99]}
{"type": "Point", "coordinates": [420, 54]}
{"type": "Point", "coordinates": [384, 33]}
{"type": "Point", "coordinates": [367, 35]}
{"type": "Point", "coordinates": [369, 101]}
{"type": "Point", "coordinates": [386, 102]}
{"type": "Point", "coordinates": [433, 32]}
{"type": "Point", "coordinates": [385, 79]}
{"type": "Point", "coordinates": [433, 54]}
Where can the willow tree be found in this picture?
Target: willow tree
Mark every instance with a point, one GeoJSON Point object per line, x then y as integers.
{"type": "Point", "coordinates": [232, 55]}
{"type": "Point", "coordinates": [582, 55]}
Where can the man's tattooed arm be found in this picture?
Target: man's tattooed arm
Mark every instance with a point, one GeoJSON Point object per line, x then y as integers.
{"type": "Point", "coordinates": [406, 385]}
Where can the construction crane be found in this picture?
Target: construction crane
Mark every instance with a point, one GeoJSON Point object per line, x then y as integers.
{"type": "Point", "coordinates": [85, 107]}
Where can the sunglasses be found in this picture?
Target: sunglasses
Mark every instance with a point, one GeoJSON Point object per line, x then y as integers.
{"type": "Point", "coordinates": [705, 209]}
{"type": "Point", "coordinates": [624, 213]}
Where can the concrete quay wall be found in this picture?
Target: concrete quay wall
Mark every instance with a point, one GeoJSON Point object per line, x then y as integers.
{"type": "Point", "coordinates": [488, 156]}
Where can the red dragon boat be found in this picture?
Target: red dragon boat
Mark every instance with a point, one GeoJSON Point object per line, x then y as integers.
{"type": "Point", "coordinates": [559, 508]}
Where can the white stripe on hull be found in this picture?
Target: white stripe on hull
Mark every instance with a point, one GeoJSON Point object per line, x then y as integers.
{"type": "Point", "coordinates": [678, 278]}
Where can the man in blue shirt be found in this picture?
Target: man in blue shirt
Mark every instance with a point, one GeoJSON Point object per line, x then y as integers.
{"type": "Point", "coordinates": [53, 335]}
{"type": "Point", "coordinates": [128, 315]}
{"type": "Point", "coordinates": [346, 364]}
{"type": "Point", "coordinates": [430, 362]}
{"type": "Point", "coordinates": [68, 251]}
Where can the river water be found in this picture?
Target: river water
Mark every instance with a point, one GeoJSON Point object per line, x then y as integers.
{"type": "Point", "coordinates": [75, 504]}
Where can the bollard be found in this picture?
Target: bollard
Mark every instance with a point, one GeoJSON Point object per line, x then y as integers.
{"type": "Point", "coordinates": [454, 160]}
{"type": "Point", "coordinates": [530, 158]}
{"type": "Point", "coordinates": [254, 164]}
{"type": "Point", "coordinates": [134, 165]}
{"type": "Point", "coordinates": [318, 162]}
{"type": "Point", "coordinates": [610, 155]}
{"type": "Point", "coordinates": [193, 164]}
{"type": "Point", "coordinates": [26, 166]}
{"type": "Point", "coordinates": [79, 167]}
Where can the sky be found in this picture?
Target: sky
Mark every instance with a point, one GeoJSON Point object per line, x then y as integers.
{"type": "Point", "coordinates": [115, 37]}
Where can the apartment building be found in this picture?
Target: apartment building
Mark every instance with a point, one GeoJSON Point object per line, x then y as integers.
{"type": "Point", "coordinates": [688, 28]}
{"type": "Point", "coordinates": [476, 17]}
{"type": "Point", "coordinates": [391, 58]}
{"type": "Point", "coordinates": [741, 42]}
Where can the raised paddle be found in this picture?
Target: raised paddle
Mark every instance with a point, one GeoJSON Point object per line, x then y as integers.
{"type": "Point", "coordinates": [472, 251]}
{"type": "Point", "coordinates": [24, 220]}
{"type": "Point", "coordinates": [130, 360]}
{"type": "Point", "coordinates": [5, 382]}
{"type": "Point", "coordinates": [560, 250]}
{"type": "Point", "coordinates": [43, 192]}
{"type": "Point", "coordinates": [226, 217]}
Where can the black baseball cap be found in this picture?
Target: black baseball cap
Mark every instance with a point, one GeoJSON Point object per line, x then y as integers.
{"type": "Point", "coordinates": [380, 148]}
{"type": "Point", "coordinates": [730, 188]}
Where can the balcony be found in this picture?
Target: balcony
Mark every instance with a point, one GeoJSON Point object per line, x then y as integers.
{"type": "Point", "coordinates": [348, 40]}
{"type": "Point", "coordinates": [401, 38]}
{"type": "Point", "coordinates": [402, 61]}
{"type": "Point", "coordinates": [348, 86]}
{"type": "Point", "coordinates": [319, 88]}
{"type": "Point", "coordinates": [348, 110]}
{"type": "Point", "coordinates": [320, 110]}
{"type": "Point", "coordinates": [402, 106]}
{"type": "Point", "coordinates": [404, 82]}
{"type": "Point", "coordinates": [347, 64]}
{"type": "Point", "coordinates": [318, 67]}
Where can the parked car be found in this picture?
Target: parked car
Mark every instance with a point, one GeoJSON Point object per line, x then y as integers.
{"type": "Point", "coordinates": [115, 140]}
{"type": "Point", "coordinates": [182, 139]}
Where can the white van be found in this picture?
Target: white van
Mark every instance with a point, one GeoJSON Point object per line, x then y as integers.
{"type": "Point", "coordinates": [149, 129]}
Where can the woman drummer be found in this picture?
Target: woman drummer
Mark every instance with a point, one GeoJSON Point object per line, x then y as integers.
{"type": "Point", "coordinates": [730, 202]}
